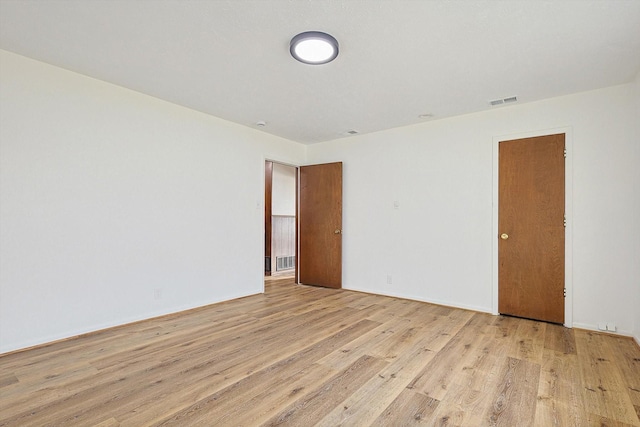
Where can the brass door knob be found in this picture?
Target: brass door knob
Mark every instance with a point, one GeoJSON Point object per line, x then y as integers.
{"type": "Point", "coordinates": [504, 236]}
{"type": "Point", "coordinates": [337, 232]}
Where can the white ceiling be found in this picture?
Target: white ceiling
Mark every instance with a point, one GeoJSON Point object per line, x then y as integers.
{"type": "Point", "coordinates": [398, 59]}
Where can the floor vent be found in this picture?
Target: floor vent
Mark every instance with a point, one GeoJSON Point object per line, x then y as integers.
{"type": "Point", "coordinates": [285, 263]}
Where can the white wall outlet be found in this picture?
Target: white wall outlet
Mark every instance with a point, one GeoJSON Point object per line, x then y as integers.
{"type": "Point", "coordinates": [610, 327]}
{"type": "Point", "coordinates": [157, 293]}
{"type": "Point", "coordinates": [389, 280]}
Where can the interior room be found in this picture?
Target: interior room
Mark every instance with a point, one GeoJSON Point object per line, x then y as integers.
{"type": "Point", "coordinates": [134, 139]}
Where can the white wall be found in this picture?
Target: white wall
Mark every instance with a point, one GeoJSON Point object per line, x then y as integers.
{"type": "Point", "coordinates": [283, 199]}
{"type": "Point", "coordinates": [115, 206]}
{"type": "Point", "coordinates": [437, 245]}
{"type": "Point", "coordinates": [109, 198]}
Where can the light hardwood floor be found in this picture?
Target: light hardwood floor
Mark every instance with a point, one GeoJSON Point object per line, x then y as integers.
{"type": "Point", "coordinates": [305, 356]}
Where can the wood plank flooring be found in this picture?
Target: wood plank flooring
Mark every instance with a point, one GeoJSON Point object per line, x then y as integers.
{"type": "Point", "coordinates": [304, 356]}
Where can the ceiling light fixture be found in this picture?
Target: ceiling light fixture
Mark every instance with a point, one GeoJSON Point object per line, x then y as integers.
{"type": "Point", "coordinates": [314, 47]}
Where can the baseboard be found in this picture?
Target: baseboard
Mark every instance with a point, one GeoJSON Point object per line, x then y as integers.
{"type": "Point", "coordinates": [428, 301]}
{"type": "Point", "coordinates": [594, 328]}
{"type": "Point", "coordinates": [95, 329]}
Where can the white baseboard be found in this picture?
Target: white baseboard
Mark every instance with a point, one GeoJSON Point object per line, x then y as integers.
{"type": "Point", "coordinates": [590, 327]}
{"type": "Point", "coordinates": [429, 301]}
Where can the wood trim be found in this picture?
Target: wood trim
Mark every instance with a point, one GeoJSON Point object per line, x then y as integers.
{"type": "Point", "coordinates": [268, 197]}
{"type": "Point", "coordinates": [296, 278]}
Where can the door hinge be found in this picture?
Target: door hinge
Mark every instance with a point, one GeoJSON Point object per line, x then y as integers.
{"type": "Point", "coordinates": [565, 153]}
{"type": "Point", "coordinates": [564, 221]}
{"type": "Point", "coordinates": [565, 292]}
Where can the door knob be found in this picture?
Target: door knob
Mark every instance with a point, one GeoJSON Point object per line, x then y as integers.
{"type": "Point", "coordinates": [337, 232]}
{"type": "Point", "coordinates": [504, 236]}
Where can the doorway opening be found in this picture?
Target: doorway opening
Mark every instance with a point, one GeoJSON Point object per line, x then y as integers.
{"type": "Point", "coordinates": [280, 221]}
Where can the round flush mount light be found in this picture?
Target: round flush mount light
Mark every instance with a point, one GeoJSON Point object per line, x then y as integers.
{"type": "Point", "coordinates": [314, 47]}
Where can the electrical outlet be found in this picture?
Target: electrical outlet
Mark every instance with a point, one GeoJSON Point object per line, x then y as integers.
{"type": "Point", "coordinates": [389, 280]}
{"type": "Point", "coordinates": [157, 293]}
{"type": "Point", "coordinates": [610, 327]}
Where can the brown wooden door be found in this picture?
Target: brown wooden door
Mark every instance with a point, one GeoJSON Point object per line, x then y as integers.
{"type": "Point", "coordinates": [531, 228]}
{"type": "Point", "coordinates": [320, 223]}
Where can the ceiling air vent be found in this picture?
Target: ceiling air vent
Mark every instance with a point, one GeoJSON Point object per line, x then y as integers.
{"type": "Point", "coordinates": [503, 100]}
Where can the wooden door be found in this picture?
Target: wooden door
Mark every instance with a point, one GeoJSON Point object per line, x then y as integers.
{"type": "Point", "coordinates": [531, 228]}
{"type": "Point", "coordinates": [320, 224]}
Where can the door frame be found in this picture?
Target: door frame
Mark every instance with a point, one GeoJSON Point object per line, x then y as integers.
{"type": "Point", "coordinates": [263, 201]}
{"type": "Point", "coordinates": [568, 207]}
